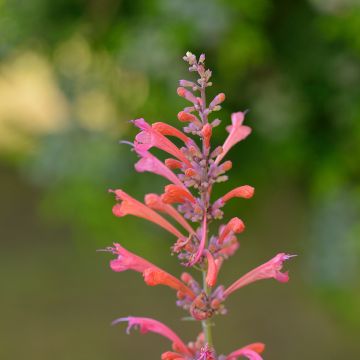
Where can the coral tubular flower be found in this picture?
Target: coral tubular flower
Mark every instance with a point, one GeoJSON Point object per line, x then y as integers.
{"type": "Point", "coordinates": [206, 133]}
{"type": "Point", "coordinates": [126, 260]}
{"type": "Point", "coordinates": [151, 163]}
{"type": "Point", "coordinates": [186, 94]}
{"type": "Point", "coordinates": [169, 130]}
{"type": "Point", "coordinates": [146, 324]}
{"type": "Point", "coordinates": [212, 270]}
{"type": "Point", "coordinates": [173, 164]}
{"type": "Point", "coordinates": [218, 99]}
{"type": "Point", "coordinates": [176, 194]}
{"type": "Point", "coordinates": [271, 269]}
{"type": "Point", "coordinates": [184, 116]}
{"type": "Point", "coordinates": [170, 355]}
{"type": "Point", "coordinates": [251, 351]}
{"type": "Point", "coordinates": [237, 132]}
{"type": "Point", "coordinates": [154, 276]}
{"type": "Point", "coordinates": [149, 138]}
{"type": "Point", "coordinates": [235, 225]}
{"type": "Point", "coordinates": [154, 201]}
{"type": "Point", "coordinates": [130, 206]}
{"type": "Point", "coordinates": [245, 192]}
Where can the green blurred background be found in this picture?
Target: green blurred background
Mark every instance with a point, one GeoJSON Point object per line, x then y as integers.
{"type": "Point", "coordinates": [73, 72]}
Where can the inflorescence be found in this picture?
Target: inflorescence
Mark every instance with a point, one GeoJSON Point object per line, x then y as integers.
{"type": "Point", "coordinates": [186, 204]}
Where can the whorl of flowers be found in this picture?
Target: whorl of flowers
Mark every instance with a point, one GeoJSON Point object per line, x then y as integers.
{"type": "Point", "coordinates": [185, 209]}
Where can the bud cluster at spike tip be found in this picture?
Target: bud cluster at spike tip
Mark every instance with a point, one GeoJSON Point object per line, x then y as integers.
{"type": "Point", "coordinates": [185, 208]}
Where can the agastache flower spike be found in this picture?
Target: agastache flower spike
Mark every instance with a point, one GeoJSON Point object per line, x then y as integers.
{"type": "Point", "coordinates": [271, 269]}
{"type": "Point", "coordinates": [192, 171]}
{"type": "Point", "coordinates": [130, 206]}
{"type": "Point", "coordinates": [146, 324]}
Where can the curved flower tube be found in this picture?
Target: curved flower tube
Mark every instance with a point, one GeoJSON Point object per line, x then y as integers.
{"type": "Point", "coordinates": [126, 260]}
{"type": "Point", "coordinates": [149, 138]}
{"type": "Point", "coordinates": [151, 163]}
{"type": "Point", "coordinates": [176, 194]}
{"type": "Point", "coordinates": [271, 269]}
{"type": "Point", "coordinates": [154, 201]}
{"type": "Point", "coordinates": [237, 132]}
{"type": "Point", "coordinates": [130, 206]}
{"type": "Point", "coordinates": [154, 276]}
{"type": "Point", "coordinates": [251, 352]}
{"type": "Point", "coordinates": [146, 324]}
{"type": "Point", "coordinates": [235, 225]}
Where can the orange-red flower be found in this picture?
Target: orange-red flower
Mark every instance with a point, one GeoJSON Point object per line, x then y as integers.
{"type": "Point", "coordinates": [154, 276]}
{"type": "Point", "coordinates": [155, 202]}
{"type": "Point", "coordinates": [130, 206]}
{"type": "Point", "coordinates": [176, 194]}
{"type": "Point", "coordinates": [235, 225]}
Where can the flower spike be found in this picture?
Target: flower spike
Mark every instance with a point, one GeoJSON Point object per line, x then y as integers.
{"type": "Point", "coordinates": [146, 324]}
{"type": "Point", "coordinates": [193, 169]}
{"type": "Point", "coordinates": [130, 206]}
{"type": "Point", "coordinates": [271, 269]}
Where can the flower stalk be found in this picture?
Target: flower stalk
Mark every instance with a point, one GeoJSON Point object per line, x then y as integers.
{"type": "Point", "coordinates": [192, 171]}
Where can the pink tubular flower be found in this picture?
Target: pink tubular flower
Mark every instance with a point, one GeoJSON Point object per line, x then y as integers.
{"type": "Point", "coordinates": [218, 99]}
{"type": "Point", "coordinates": [245, 192]}
{"type": "Point", "coordinates": [146, 324]}
{"type": "Point", "coordinates": [130, 206]}
{"type": "Point", "coordinates": [173, 164]}
{"type": "Point", "coordinates": [154, 201]}
{"type": "Point", "coordinates": [271, 269]}
{"type": "Point", "coordinates": [237, 132]}
{"type": "Point", "coordinates": [235, 225]}
{"type": "Point", "coordinates": [251, 351]}
{"type": "Point", "coordinates": [168, 130]}
{"type": "Point", "coordinates": [126, 260]}
{"type": "Point", "coordinates": [184, 116]}
{"type": "Point", "coordinates": [176, 194]}
{"type": "Point", "coordinates": [206, 133]}
{"type": "Point", "coordinates": [151, 163]}
{"type": "Point", "coordinates": [212, 270]}
{"type": "Point", "coordinates": [186, 94]}
{"type": "Point", "coordinates": [149, 138]}
{"type": "Point", "coordinates": [154, 276]}
{"type": "Point", "coordinates": [170, 355]}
